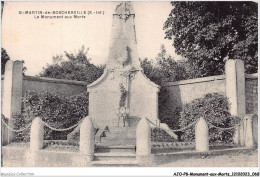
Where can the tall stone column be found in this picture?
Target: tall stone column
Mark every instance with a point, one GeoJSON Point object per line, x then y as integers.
{"type": "Point", "coordinates": [12, 93]}
{"type": "Point", "coordinates": [235, 92]}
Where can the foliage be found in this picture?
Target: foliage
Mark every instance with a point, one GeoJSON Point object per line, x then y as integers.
{"type": "Point", "coordinates": [214, 108]}
{"type": "Point", "coordinates": [4, 58]}
{"type": "Point", "coordinates": [165, 69]}
{"type": "Point", "coordinates": [151, 71]}
{"type": "Point", "coordinates": [20, 123]}
{"type": "Point", "coordinates": [58, 110]}
{"type": "Point", "coordinates": [170, 69]}
{"type": "Point", "coordinates": [123, 95]}
{"type": "Point", "coordinates": [159, 135]}
{"type": "Point", "coordinates": [73, 67]}
{"type": "Point", "coordinates": [210, 32]}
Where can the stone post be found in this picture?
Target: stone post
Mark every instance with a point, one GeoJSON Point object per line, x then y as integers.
{"type": "Point", "coordinates": [202, 135]}
{"type": "Point", "coordinates": [36, 136]}
{"type": "Point", "coordinates": [255, 128]}
{"type": "Point", "coordinates": [235, 92]}
{"type": "Point", "coordinates": [240, 133]}
{"type": "Point", "coordinates": [143, 141]}
{"type": "Point", "coordinates": [12, 93]}
{"type": "Point", "coordinates": [4, 131]}
{"type": "Point", "coordinates": [87, 139]}
{"type": "Point", "coordinates": [249, 142]}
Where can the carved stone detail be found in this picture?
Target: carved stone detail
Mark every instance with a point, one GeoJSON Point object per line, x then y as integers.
{"type": "Point", "coordinates": [123, 10]}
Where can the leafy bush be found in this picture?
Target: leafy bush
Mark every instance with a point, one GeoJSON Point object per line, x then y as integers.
{"type": "Point", "coordinates": [214, 108]}
{"type": "Point", "coordinates": [21, 122]}
{"type": "Point", "coordinates": [159, 135]}
{"type": "Point", "coordinates": [56, 109]}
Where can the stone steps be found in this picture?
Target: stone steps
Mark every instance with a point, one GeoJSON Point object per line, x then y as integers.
{"type": "Point", "coordinates": [122, 129]}
{"type": "Point", "coordinates": [119, 136]}
{"type": "Point", "coordinates": [115, 163]}
{"type": "Point", "coordinates": [115, 149]}
{"type": "Point", "coordinates": [106, 156]}
{"type": "Point", "coordinates": [114, 156]}
{"type": "Point", "coordinates": [118, 140]}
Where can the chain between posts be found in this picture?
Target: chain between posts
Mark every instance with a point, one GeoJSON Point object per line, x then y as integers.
{"type": "Point", "coordinates": [17, 131]}
{"type": "Point", "coordinates": [193, 123]}
{"type": "Point", "coordinates": [61, 130]}
{"type": "Point", "coordinates": [44, 123]}
{"type": "Point", "coordinates": [228, 128]}
{"type": "Point", "coordinates": [187, 127]}
{"type": "Point", "coordinates": [178, 130]}
{"type": "Point", "coordinates": [75, 125]}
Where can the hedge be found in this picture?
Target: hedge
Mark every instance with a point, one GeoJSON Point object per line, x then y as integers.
{"type": "Point", "coordinates": [214, 108]}
{"type": "Point", "coordinates": [56, 109]}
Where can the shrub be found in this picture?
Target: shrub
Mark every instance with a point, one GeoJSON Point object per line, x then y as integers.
{"type": "Point", "coordinates": [214, 108]}
{"type": "Point", "coordinates": [56, 109]}
{"type": "Point", "coordinates": [159, 135]}
{"type": "Point", "coordinates": [21, 122]}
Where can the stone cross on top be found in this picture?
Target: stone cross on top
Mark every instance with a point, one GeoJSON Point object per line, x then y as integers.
{"type": "Point", "coordinates": [124, 9]}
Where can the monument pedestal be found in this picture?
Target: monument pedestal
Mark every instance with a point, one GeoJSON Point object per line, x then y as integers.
{"type": "Point", "coordinates": [120, 136]}
{"type": "Point", "coordinates": [122, 85]}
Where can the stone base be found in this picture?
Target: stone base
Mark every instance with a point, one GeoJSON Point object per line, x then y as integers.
{"type": "Point", "coordinates": [144, 161]}
{"type": "Point", "coordinates": [18, 157]}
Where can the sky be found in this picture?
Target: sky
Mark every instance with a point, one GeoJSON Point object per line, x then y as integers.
{"type": "Point", "coordinates": [36, 40]}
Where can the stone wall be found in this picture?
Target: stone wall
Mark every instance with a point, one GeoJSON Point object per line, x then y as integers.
{"type": "Point", "coordinates": [182, 92]}
{"type": "Point", "coordinates": [251, 94]}
{"type": "Point", "coordinates": [185, 91]}
{"type": "Point", "coordinates": [67, 87]}
{"type": "Point", "coordinates": [39, 84]}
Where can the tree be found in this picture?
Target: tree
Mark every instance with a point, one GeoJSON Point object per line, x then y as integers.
{"type": "Point", "coordinates": [170, 70]}
{"type": "Point", "coordinates": [151, 71]}
{"type": "Point", "coordinates": [208, 33]}
{"type": "Point", "coordinates": [165, 69]}
{"type": "Point", "coordinates": [73, 67]}
{"type": "Point", "coordinates": [4, 59]}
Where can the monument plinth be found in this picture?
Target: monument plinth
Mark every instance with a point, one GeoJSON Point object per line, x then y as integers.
{"type": "Point", "coordinates": [123, 70]}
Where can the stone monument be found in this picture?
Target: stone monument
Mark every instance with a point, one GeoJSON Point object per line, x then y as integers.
{"type": "Point", "coordinates": [123, 89]}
